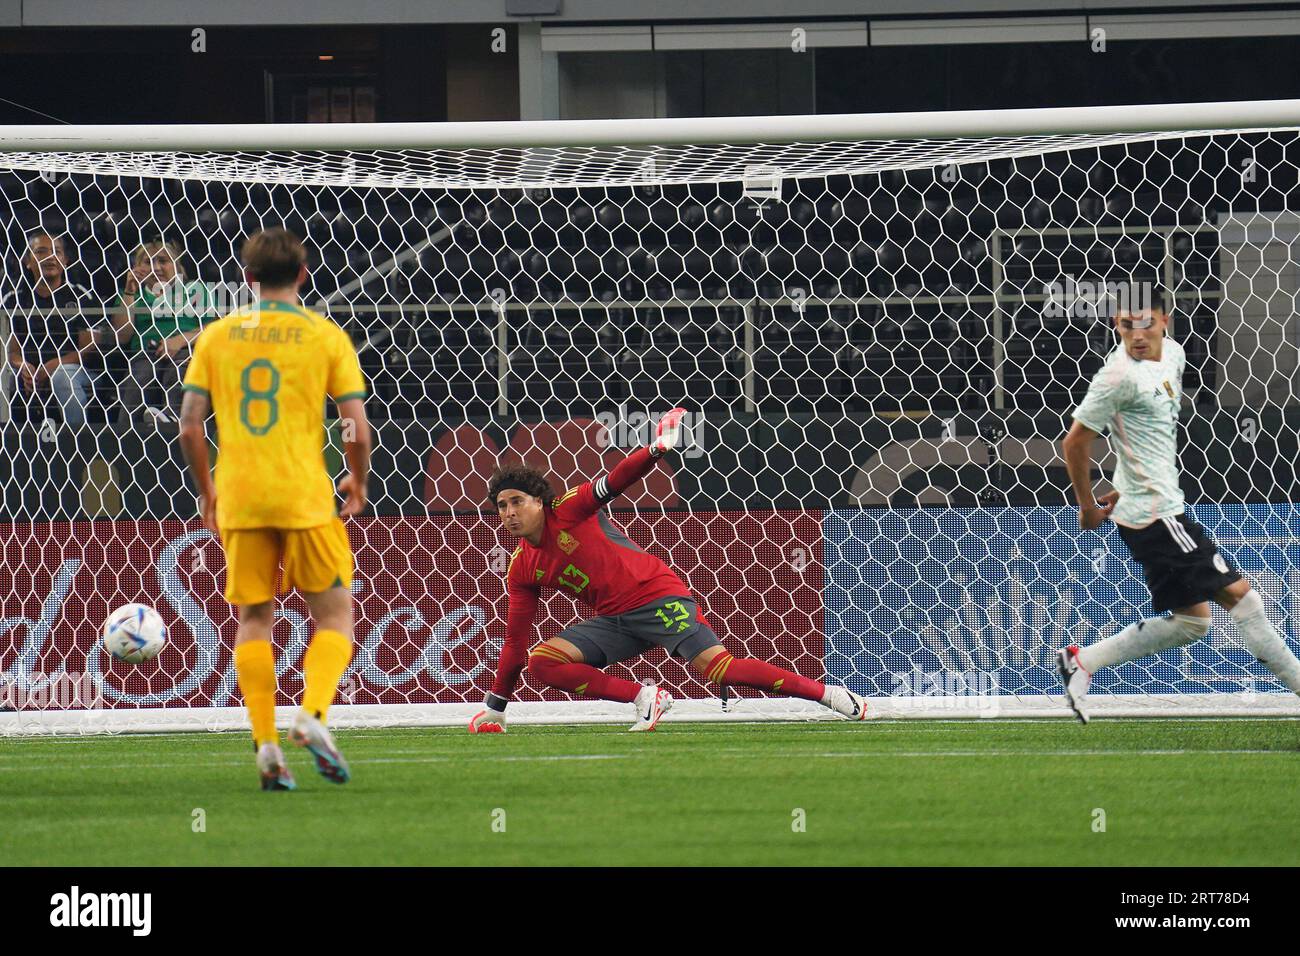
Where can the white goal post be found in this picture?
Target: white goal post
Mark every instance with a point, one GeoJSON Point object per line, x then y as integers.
{"type": "Point", "coordinates": [880, 324]}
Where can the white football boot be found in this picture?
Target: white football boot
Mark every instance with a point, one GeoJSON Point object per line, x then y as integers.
{"type": "Point", "coordinates": [273, 770]}
{"type": "Point", "coordinates": [843, 701]}
{"type": "Point", "coordinates": [651, 703]}
{"type": "Point", "coordinates": [309, 732]}
{"type": "Point", "coordinates": [1074, 679]}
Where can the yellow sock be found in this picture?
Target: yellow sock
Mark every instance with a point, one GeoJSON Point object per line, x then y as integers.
{"type": "Point", "coordinates": [255, 666]}
{"type": "Point", "coordinates": [323, 665]}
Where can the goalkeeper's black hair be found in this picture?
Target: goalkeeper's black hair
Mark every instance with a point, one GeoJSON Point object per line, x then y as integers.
{"type": "Point", "coordinates": [528, 480]}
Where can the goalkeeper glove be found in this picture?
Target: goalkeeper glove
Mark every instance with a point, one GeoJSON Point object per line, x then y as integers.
{"type": "Point", "coordinates": [669, 432]}
{"type": "Point", "coordinates": [488, 721]}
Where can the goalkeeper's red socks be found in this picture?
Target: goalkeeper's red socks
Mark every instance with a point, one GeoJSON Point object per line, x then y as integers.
{"type": "Point", "coordinates": [553, 667]}
{"type": "Point", "coordinates": [750, 672]}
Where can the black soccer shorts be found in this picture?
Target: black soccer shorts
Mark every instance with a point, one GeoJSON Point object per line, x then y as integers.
{"type": "Point", "coordinates": [670, 622]}
{"type": "Point", "coordinates": [1183, 565]}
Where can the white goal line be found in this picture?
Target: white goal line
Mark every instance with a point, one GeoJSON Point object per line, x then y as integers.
{"type": "Point", "coordinates": [745, 710]}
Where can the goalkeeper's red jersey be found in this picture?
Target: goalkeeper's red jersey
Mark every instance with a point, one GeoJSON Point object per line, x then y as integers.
{"type": "Point", "coordinates": [584, 555]}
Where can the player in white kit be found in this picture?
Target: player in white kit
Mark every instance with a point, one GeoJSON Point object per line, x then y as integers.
{"type": "Point", "coordinates": [1136, 396]}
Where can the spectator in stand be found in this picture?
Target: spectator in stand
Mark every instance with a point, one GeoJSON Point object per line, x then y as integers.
{"type": "Point", "coordinates": [49, 335]}
{"type": "Point", "coordinates": [159, 314]}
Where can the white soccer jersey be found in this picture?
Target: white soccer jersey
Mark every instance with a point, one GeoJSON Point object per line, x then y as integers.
{"type": "Point", "coordinates": [1137, 401]}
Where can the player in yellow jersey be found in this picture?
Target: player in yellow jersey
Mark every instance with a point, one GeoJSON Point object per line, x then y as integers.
{"type": "Point", "coordinates": [265, 371]}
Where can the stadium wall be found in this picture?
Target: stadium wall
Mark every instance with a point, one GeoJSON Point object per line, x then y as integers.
{"type": "Point", "coordinates": [802, 537]}
{"type": "Point", "coordinates": [916, 598]}
{"type": "Point", "coordinates": [430, 615]}
{"type": "Point", "coordinates": [929, 612]}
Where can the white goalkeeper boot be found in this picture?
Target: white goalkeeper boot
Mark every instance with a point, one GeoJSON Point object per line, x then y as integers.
{"type": "Point", "coordinates": [651, 703]}
{"type": "Point", "coordinates": [846, 703]}
{"type": "Point", "coordinates": [1074, 679]}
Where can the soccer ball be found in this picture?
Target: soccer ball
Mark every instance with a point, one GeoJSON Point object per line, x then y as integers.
{"type": "Point", "coordinates": [134, 633]}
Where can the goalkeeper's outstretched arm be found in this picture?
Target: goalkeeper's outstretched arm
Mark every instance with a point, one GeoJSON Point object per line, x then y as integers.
{"type": "Point", "coordinates": [638, 464]}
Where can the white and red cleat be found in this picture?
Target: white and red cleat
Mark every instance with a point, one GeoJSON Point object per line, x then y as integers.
{"type": "Point", "coordinates": [651, 703]}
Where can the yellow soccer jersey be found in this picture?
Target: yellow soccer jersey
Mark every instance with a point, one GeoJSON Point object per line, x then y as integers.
{"type": "Point", "coordinates": [268, 376]}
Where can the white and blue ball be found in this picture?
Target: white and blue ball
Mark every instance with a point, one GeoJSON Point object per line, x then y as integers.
{"type": "Point", "coordinates": [134, 633]}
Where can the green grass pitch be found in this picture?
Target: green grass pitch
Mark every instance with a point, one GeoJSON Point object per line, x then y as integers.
{"type": "Point", "coordinates": [1173, 792]}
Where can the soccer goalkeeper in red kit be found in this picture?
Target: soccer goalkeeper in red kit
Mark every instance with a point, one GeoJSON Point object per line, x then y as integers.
{"type": "Point", "coordinates": [568, 543]}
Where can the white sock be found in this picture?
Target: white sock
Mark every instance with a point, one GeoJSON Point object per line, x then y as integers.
{"type": "Point", "coordinates": [1263, 640]}
{"type": "Point", "coordinates": [1143, 638]}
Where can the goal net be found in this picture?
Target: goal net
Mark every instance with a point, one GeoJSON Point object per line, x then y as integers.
{"type": "Point", "coordinates": [879, 325]}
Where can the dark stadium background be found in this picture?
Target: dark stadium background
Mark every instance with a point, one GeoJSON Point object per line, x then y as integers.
{"type": "Point", "coordinates": [841, 370]}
